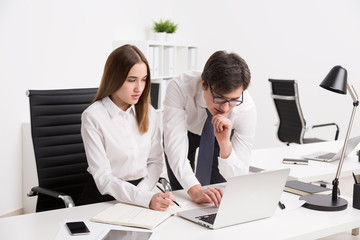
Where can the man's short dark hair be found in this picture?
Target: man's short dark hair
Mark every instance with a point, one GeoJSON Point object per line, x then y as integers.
{"type": "Point", "coordinates": [226, 72]}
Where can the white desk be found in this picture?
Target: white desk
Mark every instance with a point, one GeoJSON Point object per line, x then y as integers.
{"type": "Point", "coordinates": [298, 224]}
{"type": "Point", "coordinates": [271, 159]}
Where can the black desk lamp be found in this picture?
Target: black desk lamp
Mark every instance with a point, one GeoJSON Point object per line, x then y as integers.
{"type": "Point", "coordinates": [335, 81]}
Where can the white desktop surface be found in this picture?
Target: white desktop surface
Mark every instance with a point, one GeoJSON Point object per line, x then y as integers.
{"type": "Point", "coordinates": [301, 223]}
{"type": "Point", "coordinates": [297, 224]}
{"type": "Point", "coordinates": [271, 159]}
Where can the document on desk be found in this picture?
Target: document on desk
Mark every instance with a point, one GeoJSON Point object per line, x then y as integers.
{"type": "Point", "coordinates": [291, 202]}
{"type": "Point", "coordinates": [134, 216]}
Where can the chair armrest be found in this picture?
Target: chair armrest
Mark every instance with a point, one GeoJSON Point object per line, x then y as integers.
{"type": "Point", "coordinates": [326, 125]}
{"type": "Point", "coordinates": [67, 199]}
{"type": "Point", "coordinates": [165, 183]}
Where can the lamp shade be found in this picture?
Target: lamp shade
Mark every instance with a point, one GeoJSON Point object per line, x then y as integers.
{"type": "Point", "coordinates": [336, 80]}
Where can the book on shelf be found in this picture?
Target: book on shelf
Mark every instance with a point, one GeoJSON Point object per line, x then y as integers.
{"type": "Point", "coordinates": [150, 58]}
{"type": "Point", "coordinates": [133, 216]}
{"type": "Point", "coordinates": [303, 188]}
{"type": "Point", "coordinates": [192, 59]}
{"type": "Point", "coordinates": [169, 61]}
{"type": "Point", "coordinates": [156, 62]}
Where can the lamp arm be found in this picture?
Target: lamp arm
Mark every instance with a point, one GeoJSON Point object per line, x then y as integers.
{"type": "Point", "coordinates": [352, 92]}
{"type": "Point", "coordinates": [355, 104]}
{"type": "Point", "coordinates": [346, 140]}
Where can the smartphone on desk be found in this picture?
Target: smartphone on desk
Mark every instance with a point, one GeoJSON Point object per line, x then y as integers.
{"type": "Point", "coordinates": [77, 228]}
{"type": "Point", "coordinates": [295, 161]}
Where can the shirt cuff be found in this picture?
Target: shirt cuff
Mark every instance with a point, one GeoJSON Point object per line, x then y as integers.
{"type": "Point", "coordinates": [229, 167]}
{"type": "Point", "coordinates": [220, 159]}
{"type": "Point", "coordinates": [143, 185]}
{"type": "Point", "coordinates": [143, 198]}
{"type": "Point", "coordinates": [189, 181]}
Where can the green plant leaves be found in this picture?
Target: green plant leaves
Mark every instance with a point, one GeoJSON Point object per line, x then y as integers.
{"type": "Point", "coordinates": [165, 26]}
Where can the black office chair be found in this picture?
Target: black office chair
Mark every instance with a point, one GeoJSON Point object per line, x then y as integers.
{"type": "Point", "coordinates": [292, 125]}
{"type": "Point", "coordinates": [59, 150]}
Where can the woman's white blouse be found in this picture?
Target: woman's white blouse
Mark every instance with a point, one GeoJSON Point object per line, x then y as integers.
{"type": "Point", "coordinates": [117, 152]}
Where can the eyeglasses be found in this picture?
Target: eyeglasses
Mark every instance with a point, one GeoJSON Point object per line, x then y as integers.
{"type": "Point", "coordinates": [220, 100]}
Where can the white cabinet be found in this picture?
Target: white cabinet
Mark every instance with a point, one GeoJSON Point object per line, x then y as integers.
{"type": "Point", "coordinates": [166, 61]}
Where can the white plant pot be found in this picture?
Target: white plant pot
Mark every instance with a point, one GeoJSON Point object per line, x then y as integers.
{"type": "Point", "coordinates": [170, 37]}
{"type": "Point", "coordinates": [160, 36]}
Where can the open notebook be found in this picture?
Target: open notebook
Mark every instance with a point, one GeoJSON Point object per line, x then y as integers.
{"type": "Point", "coordinates": [134, 216]}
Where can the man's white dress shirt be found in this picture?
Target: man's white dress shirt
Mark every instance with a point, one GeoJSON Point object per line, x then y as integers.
{"type": "Point", "coordinates": [184, 110]}
{"type": "Point", "coordinates": [117, 152]}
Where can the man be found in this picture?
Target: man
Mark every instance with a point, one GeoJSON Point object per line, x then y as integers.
{"type": "Point", "coordinates": [211, 110]}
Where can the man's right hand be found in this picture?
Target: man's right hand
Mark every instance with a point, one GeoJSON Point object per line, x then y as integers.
{"type": "Point", "coordinates": [208, 195]}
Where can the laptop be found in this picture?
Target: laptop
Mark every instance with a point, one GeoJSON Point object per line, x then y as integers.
{"type": "Point", "coordinates": [246, 198]}
{"type": "Point", "coordinates": [330, 156]}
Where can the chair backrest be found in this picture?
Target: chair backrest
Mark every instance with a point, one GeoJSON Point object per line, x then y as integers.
{"type": "Point", "coordinates": [286, 98]}
{"type": "Point", "coordinates": [59, 151]}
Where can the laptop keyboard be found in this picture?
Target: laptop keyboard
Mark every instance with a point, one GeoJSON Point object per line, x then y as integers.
{"type": "Point", "coordinates": [210, 218]}
{"type": "Point", "coordinates": [327, 156]}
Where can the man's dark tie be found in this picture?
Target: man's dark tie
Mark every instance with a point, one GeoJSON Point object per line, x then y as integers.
{"type": "Point", "coordinates": [206, 152]}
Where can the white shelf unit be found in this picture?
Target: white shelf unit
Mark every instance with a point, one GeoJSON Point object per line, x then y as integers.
{"type": "Point", "coordinates": [166, 60]}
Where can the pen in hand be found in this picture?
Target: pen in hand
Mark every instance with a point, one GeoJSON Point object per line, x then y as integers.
{"type": "Point", "coordinates": [164, 192]}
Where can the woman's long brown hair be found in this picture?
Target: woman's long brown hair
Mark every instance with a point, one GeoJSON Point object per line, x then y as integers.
{"type": "Point", "coordinates": [116, 69]}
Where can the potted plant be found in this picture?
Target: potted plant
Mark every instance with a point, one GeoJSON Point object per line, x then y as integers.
{"type": "Point", "coordinates": [171, 29]}
{"type": "Point", "coordinates": [163, 28]}
{"type": "Point", "coordinates": [160, 28]}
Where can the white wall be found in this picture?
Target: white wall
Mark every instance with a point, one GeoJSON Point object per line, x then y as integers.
{"type": "Point", "coordinates": [48, 44]}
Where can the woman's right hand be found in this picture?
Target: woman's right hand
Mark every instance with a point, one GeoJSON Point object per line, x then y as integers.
{"type": "Point", "coordinates": [161, 201]}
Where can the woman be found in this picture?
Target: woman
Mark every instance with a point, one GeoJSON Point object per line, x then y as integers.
{"type": "Point", "coordinates": [121, 134]}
